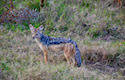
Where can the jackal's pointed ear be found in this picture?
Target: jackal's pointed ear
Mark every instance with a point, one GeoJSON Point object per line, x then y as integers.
{"type": "Point", "coordinates": [31, 28]}
{"type": "Point", "coordinates": [30, 25]}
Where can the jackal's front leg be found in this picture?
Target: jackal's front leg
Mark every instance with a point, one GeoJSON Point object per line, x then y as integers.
{"type": "Point", "coordinates": [45, 54]}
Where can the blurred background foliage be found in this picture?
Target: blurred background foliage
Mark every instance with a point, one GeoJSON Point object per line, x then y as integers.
{"type": "Point", "coordinates": [103, 19]}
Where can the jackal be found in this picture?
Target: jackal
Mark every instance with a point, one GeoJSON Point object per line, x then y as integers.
{"type": "Point", "coordinates": [68, 46]}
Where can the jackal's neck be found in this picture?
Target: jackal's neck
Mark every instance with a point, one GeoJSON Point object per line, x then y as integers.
{"type": "Point", "coordinates": [42, 39]}
{"type": "Point", "coordinates": [41, 36]}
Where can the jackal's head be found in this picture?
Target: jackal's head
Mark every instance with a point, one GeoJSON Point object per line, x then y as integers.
{"type": "Point", "coordinates": [35, 31]}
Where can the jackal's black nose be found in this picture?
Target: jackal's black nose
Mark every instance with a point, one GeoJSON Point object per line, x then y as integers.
{"type": "Point", "coordinates": [78, 65]}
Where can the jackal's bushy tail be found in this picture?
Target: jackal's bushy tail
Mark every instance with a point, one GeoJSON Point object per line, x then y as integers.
{"type": "Point", "coordinates": [77, 54]}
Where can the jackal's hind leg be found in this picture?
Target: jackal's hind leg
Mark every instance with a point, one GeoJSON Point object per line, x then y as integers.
{"type": "Point", "coordinates": [67, 58]}
{"type": "Point", "coordinates": [45, 54]}
{"type": "Point", "coordinates": [68, 53]}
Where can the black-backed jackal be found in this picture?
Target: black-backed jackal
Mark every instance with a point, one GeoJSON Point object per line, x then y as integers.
{"type": "Point", "coordinates": [68, 46]}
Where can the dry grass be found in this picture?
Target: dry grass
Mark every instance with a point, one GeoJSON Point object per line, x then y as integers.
{"type": "Point", "coordinates": [20, 59]}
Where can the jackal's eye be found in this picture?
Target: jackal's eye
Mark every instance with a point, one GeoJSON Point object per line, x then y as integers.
{"type": "Point", "coordinates": [36, 34]}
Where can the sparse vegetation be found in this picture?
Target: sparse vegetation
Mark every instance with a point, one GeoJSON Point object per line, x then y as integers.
{"type": "Point", "coordinates": [97, 26]}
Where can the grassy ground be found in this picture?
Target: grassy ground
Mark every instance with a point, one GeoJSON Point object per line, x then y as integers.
{"type": "Point", "coordinates": [20, 59]}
